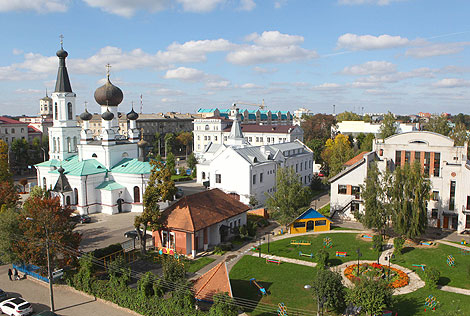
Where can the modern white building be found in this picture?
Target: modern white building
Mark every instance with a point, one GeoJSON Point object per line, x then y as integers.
{"type": "Point", "coordinates": [107, 174]}
{"type": "Point", "coordinates": [238, 167]}
{"type": "Point", "coordinates": [354, 128]}
{"type": "Point", "coordinates": [216, 130]}
{"type": "Point", "coordinates": [445, 164]}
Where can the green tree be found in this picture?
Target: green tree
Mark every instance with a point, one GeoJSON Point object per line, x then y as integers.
{"type": "Point", "coordinates": [10, 233]}
{"type": "Point", "coordinates": [459, 134]}
{"type": "Point", "coordinates": [388, 127]}
{"type": "Point", "coordinates": [289, 197]}
{"type": "Point", "coordinates": [185, 139]}
{"type": "Point", "coordinates": [169, 142]}
{"type": "Point", "coordinates": [119, 273]}
{"type": "Point", "coordinates": [322, 258]}
{"type": "Point", "coordinates": [348, 116]}
{"type": "Point", "coordinates": [366, 118]}
{"type": "Point", "coordinates": [159, 188]}
{"type": "Point", "coordinates": [398, 244]}
{"type": "Point", "coordinates": [38, 191]}
{"type": "Point", "coordinates": [364, 141]}
{"type": "Point", "coordinates": [174, 271]}
{"type": "Point", "coordinates": [373, 296]}
{"type": "Point", "coordinates": [20, 149]}
{"type": "Point", "coordinates": [431, 276]}
{"type": "Point", "coordinates": [438, 124]}
{"type": "Point", "coordinates": [328, 286]}
{"type": "Point", "coordinates": [84, 278]}
{"type": "Point", "coordinates": [317, 145]}
{"type": "Point", "coordinates": [157, 143]}
{"type": "Point", "coordinates": [171, 162]}
{"type": "Point", "coordinates": [145, 285]}
{"type": "Point", "coordinates": [336, 153]}
{"type": "Point", "coordinates": [409, 195]}
{"type": "Point", "coordinates": [377, 244]}
{"type": "Point", "coordinates": [5, 174]}
{"type": "Point", "coordinates": [223, 305]}
{"type": "Point", "coordinates": [192, 162]}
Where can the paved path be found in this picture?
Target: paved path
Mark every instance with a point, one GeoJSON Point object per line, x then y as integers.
{"type": "Point", "coordinates": [454, 290]}
{"type": "Point", "coordinates": [68, 302]}
{"type": "Point", "coordinates": [284, 259]}
{"type": "Point", "coordinates": [448, 243]}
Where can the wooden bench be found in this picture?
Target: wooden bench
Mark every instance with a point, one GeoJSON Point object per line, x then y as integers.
{"type": "Point", "coordinates": [341, 254]}
{"type": "Point", "coordinates": [273, 261]}
{"type": "Point", "coordinates": [305, 254]}
{"type": "Point", "coordinates": [260, 288]}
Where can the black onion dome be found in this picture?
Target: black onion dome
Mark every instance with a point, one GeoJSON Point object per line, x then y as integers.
{"type": "Point", "coordinates": [108, 94]}
{"type": "Point", "coordinates": [132, 115]}
{"type": "Point", "coordinates": [86, 116]}
{"type": "Point", "coordinates": [61, 170]}
{"type": "Point", "coordinates": [107, 116]}
{"type": "Point", "coordinates": [61, 53]}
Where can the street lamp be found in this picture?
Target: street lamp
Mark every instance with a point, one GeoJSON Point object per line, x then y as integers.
{"type": "Point", "coordinates": [49, 270]}
{"type": "Point", "coordinates": [389, 258]}
{"type": "Point", "coordinates": [269, 233]}
{"type": "Point", "coordinates": [359, 254]}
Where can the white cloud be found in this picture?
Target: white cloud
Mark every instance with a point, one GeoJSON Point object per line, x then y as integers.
{"type": "Point", "coordinates": [166, 100]}
{"type": "Point", "coordinates": [370, 68]}
{"type": "Point", "coordinates": [184, 73]}
{"type": "Point", "coordinates": [451, 83]}
{"type": "Point", "coordinates": [17, 51]}
{"type": "Point", "coordinates": [218, 84]}
{"type": "Point", "coordinates": [370, 42]}
{"type": "Point", "coordinates": [359, 2]}
{"type": "Point", "coordinates": [249, 85]}
{"type": "Point", "coordinates": [262, 70]}
{"type": "Point", "coordinates": [378, 80]}
{"type": "Point", "coordinates": [327, 86]}
{"type": "Point", "coordinates": [247, 5]}
{"type": "Point", "coordinates": [40, 6]}
{"type": "Point", "coordinates": [165, 91]}
{"type": "Point", "coordinates": [270, 47]}
{"type": "Point", "coordinates": [128, 8]}
{"type": "Point", "coordinates": [437, 49]}
{"type": "Point", "coordinates": [200, 5]}
{"type": "Point", "coordinates": [28, 91]}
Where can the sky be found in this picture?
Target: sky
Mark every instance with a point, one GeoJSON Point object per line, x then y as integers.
{"type": "Point", "coordinates": [366, 56]}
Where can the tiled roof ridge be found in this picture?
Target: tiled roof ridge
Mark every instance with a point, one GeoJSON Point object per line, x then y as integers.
{"type": "Point", "coordinates": [188, 208]}
{"type": "Point", "coordinates": [216, 269]}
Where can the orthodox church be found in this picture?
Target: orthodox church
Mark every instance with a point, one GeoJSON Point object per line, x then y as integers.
{"type": "Point", "coordinates": [105, 174]}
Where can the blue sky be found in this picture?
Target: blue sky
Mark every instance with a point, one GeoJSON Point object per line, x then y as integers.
{"type": "Point", "coordinates": [403, 56]}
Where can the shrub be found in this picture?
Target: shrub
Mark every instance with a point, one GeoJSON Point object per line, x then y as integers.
{"type": "Point", "coordinates": [102, 252]}
{"type": "Point", "coordinates": [323, 257]}
{"type": "Point", "coordinates": [377, 242]}
{"type": "Point", "coordinates": [431, 276]}
{"type": "Point", "coordinates": [398, 244]}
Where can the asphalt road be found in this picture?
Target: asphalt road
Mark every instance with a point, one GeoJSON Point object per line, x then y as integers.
{"type": "Point", "coordinates": [67, 302]}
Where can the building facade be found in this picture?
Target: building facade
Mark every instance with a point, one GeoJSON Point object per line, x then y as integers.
{"type": "Point", "coordinates": [11, 129]}
{"type": "Point", "coordinates": [441, 160]}
{"type": "Point", "coordinates": [354, 128]}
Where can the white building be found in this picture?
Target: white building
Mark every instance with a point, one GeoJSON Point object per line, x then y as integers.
{"type": "Point", "coordinates": [238, 167]}
{"type": "Point", "coordinates": [105, 175]}
{"type": "Point", "coordinates": [444, 163]}
{"type": "Point", "coordinates": [356, 127]}
{"type": "Point", "coordinates": [216, 130]}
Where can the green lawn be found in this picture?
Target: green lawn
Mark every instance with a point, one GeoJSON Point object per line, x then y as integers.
{"type": "Point", "coordinates": [284, 283]}
{"type": "Point", "coordinates": [193, 266]}
{"type": "Point", "coordinates": [449, 303]}
{"type": "Point", "coordinates": [341, 242]}
{"type": "Point", "coordinates": [458, 276]}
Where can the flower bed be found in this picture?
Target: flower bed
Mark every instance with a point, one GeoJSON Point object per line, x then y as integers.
{"type": "Point", "coordinates": [397, 277]}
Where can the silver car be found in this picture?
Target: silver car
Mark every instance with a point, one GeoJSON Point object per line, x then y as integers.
{"type": "Point", "coordinates": [16, 307]}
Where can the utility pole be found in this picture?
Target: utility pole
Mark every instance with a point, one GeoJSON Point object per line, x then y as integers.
{"type": "Point", "coordinates": [49, 270]}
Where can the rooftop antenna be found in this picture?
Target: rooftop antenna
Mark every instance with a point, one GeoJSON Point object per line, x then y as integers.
{"type": "Point", "coordinates": [46, 93]}
{"type": "Point", "coordinates": [334, 107]}
{"type": "Point", "coordinates": [61, 41]}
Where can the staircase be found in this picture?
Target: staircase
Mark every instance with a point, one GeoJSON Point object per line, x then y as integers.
{"type": "Point", "coordinates": [340, 211]}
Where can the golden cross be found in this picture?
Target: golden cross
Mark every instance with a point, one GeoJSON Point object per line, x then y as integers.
{"type": "Point", "coordinates": [108, 67]}
{"type": "Point", "coordinates": [61, 41]}
{"type": "Point", "coordinates": [85, 104]}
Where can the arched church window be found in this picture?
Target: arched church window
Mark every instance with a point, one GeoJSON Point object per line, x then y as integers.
{"type": "Point", "coordinates": [94, 155]}
{"type": "Point", "coordinates": [58, 144]}
{"type": "Point", "coordinates": [136, 194]}
{"type": "Point", "coordinates": [75, 193]}
{"type": "Point", "coordinates": [203, 175]}
{"type": "Point", "coordinates": [125, 154]}
{"type": "Point", "coordinates": [206, 127]}
{"type": "Point", "coordinates": [44, 184]}
{"type": "Point", "coordinates": [69, 111]}
{"type": "Point", "coordinates": [56, 111]}
{"type": "Point", "coordinates": [67, 200]}
{"type": "Point", "coordinates": [75, 143]}
{"type": "Point", "coordinates": [54, 145]}
{"type": "Point", "coordinates": [69, 145]}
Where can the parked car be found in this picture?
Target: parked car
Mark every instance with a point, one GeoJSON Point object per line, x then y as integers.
{"type": "Point", "coordinates": [81, 218]}
{"type": "Point", "coordinates": [16, 307]}
{"type": "Point", "coordinates": [131, 234]}
{"type": "Point", "coordinates": [3, 295]}
{"type": "Point", "coordinates": [46, 313]}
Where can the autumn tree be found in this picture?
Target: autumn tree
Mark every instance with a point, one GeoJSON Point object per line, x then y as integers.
{"type": "Point", "coordinates": [5, 174]}
{"type": "Point", "coordinates": [45, 219]}
{"type": "Point", "coordinates": [185, 139]}
{"type": "Point", "coordinates": [318, 126]}
{"type": "Point", "coordinates": [388, 127]}
{"type": "Point", "coordinates": [336, 153]}
{"type": "Point", "coordinates": [348, 116]}
{"type": "Point", "coordinates": [159, 188]}
{"type": "Point", "coordinates": [290, 195]}
{"type": "Point", "coordinates": [10, 233]}
{"type": "Point", "coordinates": [438, 124]}
{"type": "Point", "coordinates": [9, 196]}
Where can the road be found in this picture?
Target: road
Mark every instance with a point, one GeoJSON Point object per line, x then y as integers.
{"type": "Point", "coordinates": [67, 302]}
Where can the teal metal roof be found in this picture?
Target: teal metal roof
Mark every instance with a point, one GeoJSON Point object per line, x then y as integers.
{"type": "Point", "coordinates": [132, 166]}
{"type": "Point", "coordinates": [49, 163]}
{"type": "Point", "coordinates": [74, 167]}
{"type": "Point", "coordinates": [110, 185]}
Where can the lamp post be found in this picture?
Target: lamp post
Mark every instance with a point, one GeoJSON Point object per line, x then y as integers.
{"type": "Point", "coordinates": [390, 257]}
{"type": "Point", "coordinates": [359, 254]}
{"type": "Point", "coordinates": [269, 233]}
{"type": "Point", "coordinates": [49, 270]}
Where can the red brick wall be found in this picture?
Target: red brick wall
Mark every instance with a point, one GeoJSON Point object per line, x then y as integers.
{"type": "Point", "coordinates": [180, 242]}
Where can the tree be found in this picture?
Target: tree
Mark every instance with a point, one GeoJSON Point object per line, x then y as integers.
{"type": "Point", "coordinates": [38, 191]}
{"type": "Point", "coordinates": [185, 139]}
{"type": "Point", "coordinates": [169, 142]}
{"type": "Point", "coordinates": [24, 182]}
{"type": "Point", "coordinates": [192, 162]}
{"type": "Point", "coordinates": [290, 195]}
{"type": "Point", "coordinates": [223, 305]}
{"type": "Point", "coordinates": [5, 174]}
{"type": "Point", "coordinates": [159, 188]}
{"type": "Point", "coordinates": [376, 204]}
{"type": "Point", "coordinates": [316, 183]}
{"type": "Point", "coordinates": [377, 244]}
{"type": "Point", "coordinates": [322, 258]}
{"type": "Point", "coordinates": [336, 153]}
{"type": "Point", "coordinates": [366, 144]}
{"type": "Point", "coordinates": [348, 116]}
{"type": "Point", "coordinates": [459, 134]}
{"type": "Point", "coordinates": [20, 148]}
{"type": "Point", "coordinates": [373, 296]}
{"type": "Point", "coordinates": [10, 233]}
{"type": "Point", "coordinates": [316, 145]}
{"type": "Point", "coordinates": [328, 286]}
{"type": "Point", "coordinates": [44, 218]}
{"type": "Point", "coordinates": [253, 201]}
{"type": "Point", "coordinates": [157, 143]}
{"type": "Point", "coordinates": [388, 127]}
{"type": "Point", "coordinates": [438, 124]}
{"type": "Point", "coordinates": [174, 271]}
{"type": "Point", "coordinates": [318, 126]}
{"type": "Point", "coordinates": [9, 196]}
{"type": "Point", "coordinates": [409, 195]}
{"type": "Point", "coordinates": [171, 162]}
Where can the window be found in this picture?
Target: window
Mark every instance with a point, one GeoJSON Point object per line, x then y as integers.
{"type": "Point", "coordinates": [56, 112]}
{"type": "Point", "coordinates": [13, 131]}
{"type": "Point", "coordinates": [417, 156]}
{"type": "Point", "coordinates": [397, 158]}
{"type": "Point", "coordinates": [168, 239]}
{"type": "Point", "coordinates": [354, 206]}
{"type": "Point", "coordinates": [203, 175]}
{"type": "Point", "coordinates": [301, 166]}
{"type": "Point", "coordinates": [6, 130]}
{"type": "Point", "coordinates": [356, 191]}
{"type": "Point", "coordinates": [215, 138]}
{"type": "Point", "coordinates": [75, 194]}
{"type": "Point", "coordinates": [437, 164]}
{"type": "Point", "coordinates": [434, 213]}
{"type": "Point", "coordinates": [257, 139]}
{"type": "Point", "coordinates": [299, 224]}
{"type": "Point", "coordinates": [296, 167]}
{"type": "Point", "coordinates": [67, 200]}
{"type": "Point", "coordinates": [22, 130]}
{"type": "Point", "coordinates": [260, 177]}
{"type": "Point", "coordinates": [225, 138]}
{"type": "Point", "coordinates": [452, 196]}
{"type": "Point", "coordinates": [306, 165]}
{"type": "Point", "coordinates": [44, 184]}
{"type": "Point", "coordinates": [74, 143]}
{"type": "Point", "coordinates": [342, 189]}
{"type": "Point", "coordinates": [69, 111]}
{"type": "Point", "coordinates": [206, 127]}
{"type": "Point", "coordinates": [427, 163]}
{"type": "Point", "coordinates": [320, 223]}
{"type": "Point", "coordinates": [69, 145]}
{"type": "Point", "coordinates": [218, 178]}
{"type": "Point", "coordinates": [136, 194]}
{"type": "Point", "coordinates": [407, 156]}
{"type": "Point", "coordinates": [261, 139]}
{"type": "Point", "coordinates": [254, 179]}
{"type": "Point", "coordinates": [250, 139]}
{"type": "Point", "coordinates": [435, 195]}
{"type": "Point", "coordinates": [467, 221]}
{"type": "Point", "coordinates": [198, 137]}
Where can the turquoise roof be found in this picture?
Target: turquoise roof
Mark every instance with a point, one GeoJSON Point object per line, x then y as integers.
{"type": "Point", "coordinates": [264, 117]}
{"type": "Point", "coordinates": [310, 213]}
{"type": "Point", "coordinates": [74, 167]}
{"type": "Point", "coordinates": [49, 163]}
{"type": "Point", "coordinates": [110, 185]}
{"type": "Point", "coordinates": [132, 166]}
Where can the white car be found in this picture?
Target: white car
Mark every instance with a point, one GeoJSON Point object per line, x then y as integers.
{"type": "Point", "coordinates": [16, 307]}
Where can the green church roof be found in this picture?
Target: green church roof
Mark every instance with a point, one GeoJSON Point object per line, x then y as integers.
{"type": "Point", "coordinates": [110, 185]}
{"type": "Point", "coordinates": [132, 166]}
{"type": "Point", "coordinates": [74, 167]}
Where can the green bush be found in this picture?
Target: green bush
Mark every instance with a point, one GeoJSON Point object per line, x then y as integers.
{"type": "Point", "coordinates": [377, 242]}
{"type": "Point", "coordinates": [398, 244]}
{"type": "Point", "coordinates": [322, 258]}
{"type": "Point", "coordinates": [102, 252]}
{"type": "Point", "coordinates": [431, 277]}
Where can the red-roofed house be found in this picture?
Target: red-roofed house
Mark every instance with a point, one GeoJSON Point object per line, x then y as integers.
{"type": "Point", "coordinates": [198, 221]}
{"type": "Point", "coordinates": [214, 281]}
{"type": "Point", "coordinates": [355, 159]}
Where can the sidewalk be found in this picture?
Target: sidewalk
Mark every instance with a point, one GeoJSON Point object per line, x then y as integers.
{"type": "Point", "coordinates": [284, 259]}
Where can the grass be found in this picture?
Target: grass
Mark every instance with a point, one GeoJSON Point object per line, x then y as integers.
{"type": "Point", "coordinates": [325, 210]}
{"type": "Point", "coordinates": [341, 242]}
{"type": "Point", "coordinates": [458, 276]}
{"type": "Point", "coordinates": [284, 283]}
{"type": "Point", "coordinates": [193, 266]}
{"type": "Point", "coordinates": [333, 227]}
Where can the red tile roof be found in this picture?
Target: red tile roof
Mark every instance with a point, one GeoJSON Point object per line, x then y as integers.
{"type": "Point", "coordinates": [352, 161]}
{"type": "Point", "coordinates": [8, 120]}
{"type": "Point", "coordinates": [197, 211]}
{"type": "Point", "coordinates": [214, 281]}
{"type": "Point", "coordinates": [33, 129]}
{"type": "Point", "coordinates": [255, 128]}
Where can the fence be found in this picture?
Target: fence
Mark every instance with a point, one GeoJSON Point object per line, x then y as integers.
{"type": "Point", "coordinates": [29, 270]}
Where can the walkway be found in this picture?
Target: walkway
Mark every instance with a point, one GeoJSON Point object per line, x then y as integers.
{"type": "Point", "coordinates": [284, 259]}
